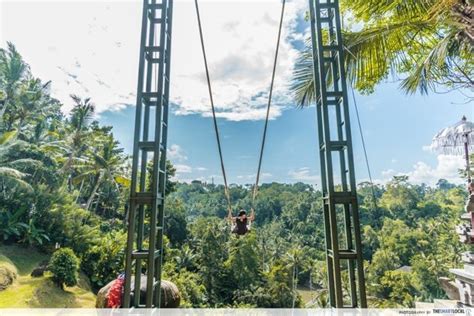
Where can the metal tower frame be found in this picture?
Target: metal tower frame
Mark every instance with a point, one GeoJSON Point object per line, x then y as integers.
{"type": "Point", "coordinates": [146, 212]}
{"type": "Point", "coordinates": [341, 211]}
{"type": "Point", "coordinates": [147, 192]}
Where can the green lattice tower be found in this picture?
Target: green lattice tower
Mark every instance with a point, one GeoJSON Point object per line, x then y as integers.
{"type": "Point", "coordinates": [147, 192]}
{"type": "Point", "coordinates": [341, 211]}
{"type": "Point", "coordinates": [147, 201]}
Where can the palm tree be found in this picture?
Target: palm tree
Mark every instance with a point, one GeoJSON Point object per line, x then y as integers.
{"type": "Point", "coordinates": [429, 41]}
{"type": "Point", "coordinates": [34, 103]}
{"type": "Point", "coordinates": [9, 175]}
{"type": "Point", "coordinates": [322, 300]}
{"type": "Point", "coordinates": [294, 261]}
{"type": "Point", "coordinates": [13, 71]}
{"type": "Point", "coordinates": [106, 164]}
{"type": "Point", "coordinates": [47, 138]}
{"type": "Point", "coordinates": [81, 116]}
{"type": "Point", "coordinates": [186, 259]}
{"type": "Point", "coordinates": [317, 275]}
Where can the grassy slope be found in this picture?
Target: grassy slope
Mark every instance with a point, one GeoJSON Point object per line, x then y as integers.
{"type": "Point", "coordinates": [39, 292]}
{"type": "Point", "coordinates": [306, 294]}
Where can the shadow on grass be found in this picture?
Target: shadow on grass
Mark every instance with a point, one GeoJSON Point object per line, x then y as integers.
{"type": "Point", "coordinates": [24, 259]}
{"type": "Point", "coordinates": [50, 295]}
{"type": "Point", "coordinates": [39, 292]}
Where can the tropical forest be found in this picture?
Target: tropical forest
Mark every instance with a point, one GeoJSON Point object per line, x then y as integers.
{"type": "Point", "coordinates": [66, 179]}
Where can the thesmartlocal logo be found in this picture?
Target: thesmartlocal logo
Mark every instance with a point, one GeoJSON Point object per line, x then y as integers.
{"type": "Point", "coordinates": [451, 311]}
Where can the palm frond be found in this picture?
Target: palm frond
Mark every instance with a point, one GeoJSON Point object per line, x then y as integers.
{"type": "Point", "coordinates": [83, 176]}
{"type": "Point", "coordinates": [373, 52]}
{"type": "Point", "coordinates": [368, 10]}
{"type": "Point", "coordinates": [14, 178]}
{"type": "Point", "coordinates": [370, 56]}
{"type": "Point", "coordinates": [54, 147]}
{"type": "Point", "coordinates": [25, 163]}
{"type": "Point", "coordinates": [303, 80]}
{"type": "Point", "coordinates": [429, 68]}
{"type": "Point", "coordinates": [11, 173]}
{"type": "Point", "coordinates": [7, 136]}
{"type": "Point", "coordinates": [14, 68]}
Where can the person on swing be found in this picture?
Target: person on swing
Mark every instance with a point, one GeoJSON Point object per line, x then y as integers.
{"type": "Point", "coordinates": [241, 222]}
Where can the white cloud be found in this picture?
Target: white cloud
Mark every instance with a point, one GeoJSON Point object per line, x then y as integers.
{"type": "Point", "coordinates": [207, 179]}
{"type": "Point", "coordinates": [428, 148]}
{"type": "Point", "coordinates": [201, 169]}
{"type": "Point", "coordinates": [85, 48]}
{"type": "Point", "coordinates": [252, 177]}
{"type": "Point", "coordinates": [305, 175]}
{"type": "Point", "coordinates": [176, 153]}
{"type": "Point", "coordinates": [240, 40]}
{"type": "Point", "coordinates": [183, 169]}
{"type": "Point", "coordinates": [95, 52]}
{"type": "Point", "coordinates": [446, 168]}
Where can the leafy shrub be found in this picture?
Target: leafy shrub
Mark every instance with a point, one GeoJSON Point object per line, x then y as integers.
{"type": "Point", "coordinates": [70, 225]}
{"type": "Point", "coordinates": [65, 266]}
{"type": "Point", "coordinates": [193, 292]}
{"type": "Point", "coordinates": [105, 260]}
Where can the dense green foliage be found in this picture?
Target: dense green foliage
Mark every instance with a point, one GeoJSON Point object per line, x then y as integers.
{"type": "Point", "coordinates": [409, 241]}
{"type": "Point", "coordinates": [64, 181]}
{"type": "Point", "coordinates": [64, 265]}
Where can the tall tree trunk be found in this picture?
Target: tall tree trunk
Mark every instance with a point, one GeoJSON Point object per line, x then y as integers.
{"type": "Point", "coordinates": [125, 217]}
{"type": "Point", "coordinates": [80, 190]}
{"type": "Point", "coordinates": [94, 191]}
{"type": "Point", "coordinates": [3, 109]}
{"type": "Point", "coordinates": [67, 165]}
{"type": "Point", "coordinates": [294, 284]}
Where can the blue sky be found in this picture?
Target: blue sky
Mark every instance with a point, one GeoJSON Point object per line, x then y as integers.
{"type": "Point", "coordinates": [397, 129]}
{"type": "Point", "coordinates": [90, 48]}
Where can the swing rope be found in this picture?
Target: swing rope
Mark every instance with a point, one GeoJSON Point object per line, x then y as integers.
{"type": "Point", "coordinates": [372, 186]}
{"type": "Point", "coordinates": [216, 129]}
{"type": "Point", "coordinates": [264, 137]}
{"type": "Point", "coordinates": [367, 164]}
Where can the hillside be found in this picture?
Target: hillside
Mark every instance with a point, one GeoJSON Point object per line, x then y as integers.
{"type": "Point", "coordinates": [39, 292]}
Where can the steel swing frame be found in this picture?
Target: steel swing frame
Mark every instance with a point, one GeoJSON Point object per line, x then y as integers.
{"type": "Point", "coordinates": [144, 251]}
